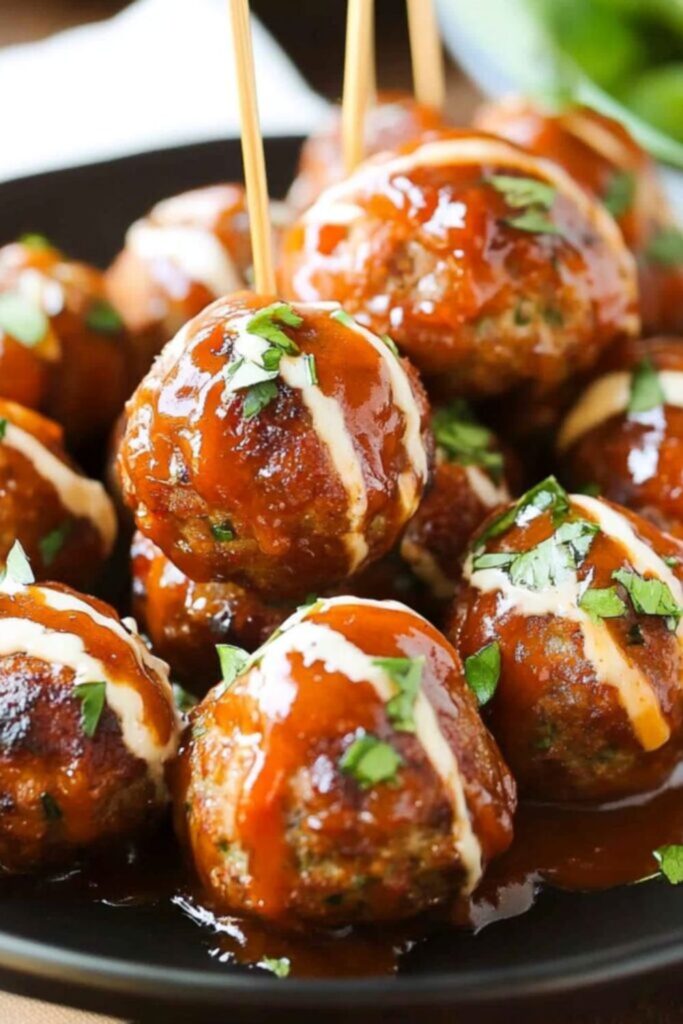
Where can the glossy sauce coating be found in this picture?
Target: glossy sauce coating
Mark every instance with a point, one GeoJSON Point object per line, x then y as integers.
{"type": "Point", "coordinates": [313, 487]}
{"type": "Point", "coordinates": [275, 826]}
{"type": "Point", "coordinates": [65, 785]}
{"type": "Point", "coordinates": [634, 459]}
{"type": "Point", "coordinates": [586, 708]}
{"type": "Point", "coordinates": [76, 372]}
{"type": "Point", "coordinates": [419, 245]}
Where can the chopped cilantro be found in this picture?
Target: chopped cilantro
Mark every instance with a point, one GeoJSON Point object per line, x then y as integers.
{"type": "Point", "coordinates": [51, 809]}
{"type": "Point", "coordinates": [671, 561]}
{"type": "Point", "coordinates": [549, 562]}
{"type": "Point", "coordinates": [520, 193]}
{"type": "Point", "coordinates": [184, 701]}
{"type": "Point", "coordinates": [52, 543]}
{"type": "Point", "coordinates": [257, 398]}
{"type": "Point", "coordinates": [3, 428]}
{"type": "Point", "coordinates": [548, 495]}
{"type": "Point", "coordinates": [482, 672]}
{"type": "Point", "coordinates": [270, 320]}
{"type": "Point", "coordinates": [370, 760]}
{"type": "Point", "coordinates": [33, 240]}
{"type": "Point", "coordinates": [666, 247]}
{"type": "Point", "coordinates": [102, 317]}
{"type": "Point", "coordinates": [650, 596]}
{"type": "Point", "coordinates": [670, 860]}
{"type": "Point", "coordinates": [279, 966]}
{"type": "Point", "coordinates": [406, 674]}
{"type": "Point", "coordinates": [17, 567]}
{"type": "Point", "coordinates": [464, 440]}
{"type": "Point", "coordinates": [257, 376]}
{"type": "Point", "coordinates": [620, 192]}
{"type": "Point", "coordinates": [592, 490]}
{"type": "Point", "coordinates": [342, 317]}
{"type": "Point", "coordinates": [536, 222]}
{"type": "Point", "coordinates": [22, 319]}
{"type": "Point", "coordinates": [92, 698]}
{"type": "Point", "coordinates": [223, 532]}
{"type": "Point", "coordinates": [233, 661]}
{"type": "Point", "coordinates": [646, 390]}
{"type": "Point", "coordinates": [602, 603]}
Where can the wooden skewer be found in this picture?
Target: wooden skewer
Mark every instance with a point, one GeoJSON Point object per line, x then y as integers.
{"type": "Point", "coordinates": [356, 79]}
{"type": "Point", "coordinates": [426, 53]}
{"type": "Point", "coordinates": [252, 151]}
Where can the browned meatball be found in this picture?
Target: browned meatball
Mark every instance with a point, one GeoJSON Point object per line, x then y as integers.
{"type": "Point", "coordinates": [624, 436]}
{"type": "Point", "coordinates": [186, 252]}
{"type": "Point", "coordinates": [62, 345]}
{"type": "Point", "coordinates": [606, 160]}
{"type": "Point", "coordinates": [394, 119]}
{"type": "Point", "coordinates": [278, 447]}
{"type": "Point", "coordinates": [383, 799]}
{"type": "Point", "coordinates": [87, 724]}
{"type": "Point", "coordinates": [489, 267]}
{"type": "Point", "coordinates": [65, 522]}
{"type": "Point", "coordinates": [570, 614]}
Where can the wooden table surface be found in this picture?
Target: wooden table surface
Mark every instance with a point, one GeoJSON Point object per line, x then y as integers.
{"type": "Point", "coordinates": [24, 20]}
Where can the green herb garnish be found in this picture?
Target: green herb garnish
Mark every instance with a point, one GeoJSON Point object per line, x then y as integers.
{"type": "Point", "coordinates": [650, 596]}
{"type": "Point", "coordinates": [666, 247]}
{"type": "Point", "coordinates": [17, 567]}
{"type": "Point", "coordinates": [92, 698]}
{"type": "Point", "coordinates": [670, 860]}
{"type": "Point", "coordinates": [342, 317]}
{"type": "Point", "coordinates": [548, 495]}
{"type": "Point", "coordinates": [223, 532]}
{"type": "Point", "coordinates": [52, 543]}
{"type": "Point", "coordinates": [370, 761]}
{"type": "Point", "coordinates": [406, 674]}
{"type": "Point", "coordinates": [279, 966]}
{"type": "Point", "coordinates": [536, 222]}
{"type": "Point", "coordinates": [257, 398]}
{"type": "Point", "coordinates": [184, 701]}
{"type": "Point", "coordinates": [33, 240]}
{"type": "Point", "coordinates": [270, 320]}
{"type": "Point", "coordinates": [257, 376]}
{"type": "Point", "coordinates": [310, 370]}
{"type": "Point", "coordinates": [102, 317]}
{"type": "Point", "coordinates": [22, 319]}
{"type": "Point", "coordinates": [646, 390]}
{"type": "Point", "coordinates": [620, 193]}
{"type": "Point", "coordinates": [602, 603]}
{"type": "Point", "coordinates": [3, 429]}
{"type": "Point", "coordinates": [465, 441]}
{"type": "Point", "coordinates": [391, 344]}
{"type": "Point", "coordinates": [233, 661]}
{"type": "Point", "coordinates": [482, 672]}
{"type": "Point", "coordinates": [51, 809]}
{"type": "Point", "coordinates": [548, 563]}
{"type": "Point", "coordinates": [520, 193]}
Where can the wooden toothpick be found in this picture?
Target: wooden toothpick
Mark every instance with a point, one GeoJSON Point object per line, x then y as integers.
{"type": "Point", "coordinates": [426, 54]}
{"type": "Point", "coordinates": [357, 83]}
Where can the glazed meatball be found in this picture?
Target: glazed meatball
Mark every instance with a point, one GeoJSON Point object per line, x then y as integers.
{"type": "Point", "coordinates": [186, 252]}
{"type": "Point", "coordinates": [185, 620]}
{"type": "Point", "coordinates": [490, 268]}
{"type": "Point", "coordinates": [383, 798]}
{"type": "Point", "coordinates": [624, 436]}
{"type": "Point", "coordinates": [606, 160]}
{"type": "Point", "coordinates": [395, 119]}
{"type": "Point", "coordinates": [579, 603]}
{"type": "Point", "coordinates": [88, 724]}
{"type": "Point", "coordinates": [468, 482]}
{"type": "Point", "coordinates": [273, 446]}
{"type": "Point", "coordinates": [65, 522]}
{"type": "Point", "coordinates": [62, 344]}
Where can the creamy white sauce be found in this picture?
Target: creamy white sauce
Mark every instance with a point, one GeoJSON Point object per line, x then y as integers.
{"type": "Point", "coordinates": [489, 494]}
{"type": "Point", "coordinates": [609, 661]}
{"type": "Point", "coordinates": [83, 498]}
{"type": "Point", "coordinates": [197, 252]}
{"type": "Point", "coordinates": [598, 138]}
{"type": "Point", "coordinates": [318, 643]}
{"type": "Point", "coordinates": [609, 396]}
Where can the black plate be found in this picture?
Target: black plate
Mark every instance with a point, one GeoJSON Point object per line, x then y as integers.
{"type": "Point", "coordinates": [65, 946]}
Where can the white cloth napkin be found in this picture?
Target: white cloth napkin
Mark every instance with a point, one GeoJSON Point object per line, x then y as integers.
{"type": "Point", "coordinates": [158, 74]}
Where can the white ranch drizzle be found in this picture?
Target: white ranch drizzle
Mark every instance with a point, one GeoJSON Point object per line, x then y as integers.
{"type": "Point", "coordinates": [319, 643]}
{"type": "Point", "coordinates": [611, 666]}
{"type": "Point", "coordinates": [609, 396]}
{"type": "Point", "coordinates": [489, 494]}
{"type": "Point", "coordinates": [196, 251]}
{"type": "Point", "coordinates": [82, 497]}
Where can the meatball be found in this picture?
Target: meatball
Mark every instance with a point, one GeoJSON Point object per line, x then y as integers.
{"type": "Point", "coordinates": [65, 522]}
{"type": "Point", "coordinates": [62, 344]}
{"type": "Point", "coordinates": [88, 724]}
{"type": "Point", "coordinates": [606, 160]}
{"type": "Point", "coordinates": [573, 607]}
{"type": "Point", "coordinates": [490, 268]}
{"type": "Point", "coordinates": [185, 620]}
{"type": "Point", "coordinates": [624, 436]}
{"type": "Point", "coordinates": [394, 119]}
{"type": "Point", "coordinates": [186, 252]}
{"type": "Point", "coordinates": [384, 798]}
{"type": "Point", "coordinates": [468, 482]}
{"type": "Point", "coordinates": [273, 446]}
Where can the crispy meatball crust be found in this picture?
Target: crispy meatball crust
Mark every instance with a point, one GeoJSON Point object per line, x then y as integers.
{"type": "Point", "coordinates": [585, 708]}
{"type": "Point", "coordinates": [76, 373]}
{"type": "Point", "coordinates": [421, 245]}
{"type": "Point", "coordinates": [311, 488]}
{"type": "Point", "coordinates": [277, 828]}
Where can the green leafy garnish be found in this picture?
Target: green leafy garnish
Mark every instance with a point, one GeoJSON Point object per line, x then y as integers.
{"type": "Point", "coordinates": [184, 701]}
{"type": "Point", "coordinates": [548, 563]}
{"type": "Point", "coordinates": [92, 698]}
{"type": "Point", "coordinates": [591, 490]}
{"type": "Point", "coordinates": [257, 376]}
{"type": "Point", "coordinates": [3, 429]}
{"type": "Point", "coordinates": [671, 561]}
{"type": "Point", "coordinates": [279, 966]}
{"type": "Point", "coordinates": [342, 317]}
{"type": "Point", "coordinates": [270, 320]}
{"type": "Point", "coordinates": [519, 193]}
{"type": "Point", "coordinates": [666, 247]}
{"type": "Point", "coordinates": [482, 672]}
{"type": "Point", "coordinates": [51, 809]}
{"type": "Point", "coordinates": [646, 389]}
{"type": "Point", "coordinates": [548, 495]}
{"type": "Point", "coordinates": [370, 761]}
{"type": "Point", "coordinates": [406, 674]}
{"type": "Point", "coordinates": [33, 240]}
{"type": "Point", "coordinates": [311, 369]}
{"type": "Point", "coordinates": [650, 596]}
{"type": "Point", "coordinates": [233, 662]}
{"type": "Point", "coordinates": [21, 318]}
{"type": "Point", "coordinates": [670, 860]}
{"type": "Point", "coordinates": [17, 567]}
{"type": "Point", "coordinates": [536, 222]}
{"type": "Point", "coordinates": [620, 193]}
{"type": "Point", "coordinates": [104, 318]}
{"type": "Point", "coordinates": [257, 398]}
{"type": "Point", "coordinates": [464, 440]}
{"type": "Point", "coordinates": [223, 532]}
{"type": "Point", "coordinates": [602, 603]}
{"type": "Point", "coordinates": [52, 543]}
